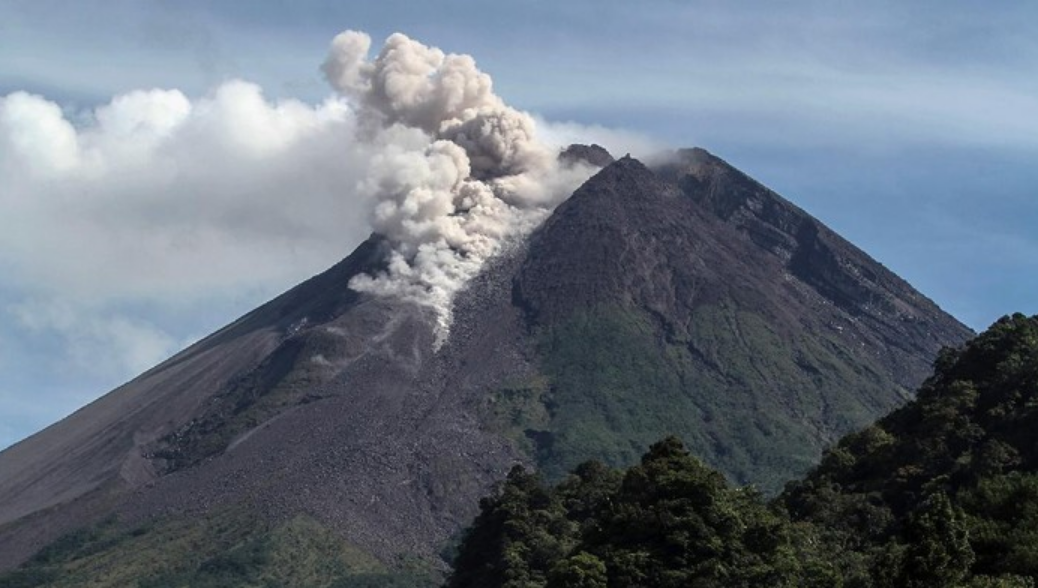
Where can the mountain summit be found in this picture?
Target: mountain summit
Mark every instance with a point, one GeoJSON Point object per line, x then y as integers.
{"type": "Point", "coordinates": [683, 298]}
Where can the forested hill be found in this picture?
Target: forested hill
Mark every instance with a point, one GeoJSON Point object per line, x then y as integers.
{"type": "Point", "coordinates": [940, 493]}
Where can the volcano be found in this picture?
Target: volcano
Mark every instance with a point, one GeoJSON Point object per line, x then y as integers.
{"type": "Point", "coordinates": [677, 298]}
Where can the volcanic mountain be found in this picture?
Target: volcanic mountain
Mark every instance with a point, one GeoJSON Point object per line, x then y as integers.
{"type": "Point", "coordinates": [683, 298]}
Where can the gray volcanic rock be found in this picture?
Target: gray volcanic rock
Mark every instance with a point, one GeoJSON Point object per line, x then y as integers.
{"type": "Point", "coordinates": [74, 471]}
{"type": "Point", "coordinates": [781, 335]}
{"type": "Point", "coordinates": [763, 334]}
{"type": "Point", "coordinates": [594, 154]}
{"type": "Point", "coordinates": [907, 323]}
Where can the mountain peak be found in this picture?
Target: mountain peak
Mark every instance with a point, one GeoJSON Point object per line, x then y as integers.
{"type": "Point", "coordinates": [679, 299]}
{"type": "Point", "coordinates": [593, 154]}
{"type": "Point", "coordinates": [711, 266]}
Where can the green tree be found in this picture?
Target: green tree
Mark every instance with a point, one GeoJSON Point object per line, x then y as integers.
{"type": "Point", "coordinates": [938, 553]}
{"type": "Point", "coordinates": [582, 570]}
{"type": "Point", "coordinates": [518, 537]}
{"type": "Point", "coordinates": [1003, 519]}
{"type": "Point", "coordinates": [675, 522]}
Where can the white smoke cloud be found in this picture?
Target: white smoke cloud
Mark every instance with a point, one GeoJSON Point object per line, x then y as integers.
{"type": "Point", "coordinates": [122, 225]}
{"type": "Point", "coordinates": [157, 196]}
{"type": "Point", "coordinates": [618, 142]}
{"type": "Point", "coordinates": [128, 229]}
{"type": "Point", "coordinates": [483, 178]}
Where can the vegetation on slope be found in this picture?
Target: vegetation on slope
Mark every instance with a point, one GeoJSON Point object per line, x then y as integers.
{"type": "Point", "coordinates": [748, 401]}
{"type": "Point", "coordinates": [941, 493]}
{"type": "Point", "coordinates": [669, 521]}
{"type": "Point", "coordinates": [224, 549]}
{"type": "Point", "coordinates": [961, 461]}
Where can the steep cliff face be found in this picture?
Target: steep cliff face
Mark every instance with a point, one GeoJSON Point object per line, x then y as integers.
{"type": "Point", "coordinates": [683, 299]}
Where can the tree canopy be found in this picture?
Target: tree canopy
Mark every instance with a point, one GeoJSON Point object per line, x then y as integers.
{"type": "Point", "coordinates": [940, 493]}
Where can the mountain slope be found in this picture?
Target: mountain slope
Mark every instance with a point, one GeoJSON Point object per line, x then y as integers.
{"type": "Point", "coordinates": [634, 271]}
{"type": "Point", "coordinates": [640, 308]}
{"type": "Point", "coordinates": [941, 493]}
{"type": "Point", "coordinates": [900, 321]}
{"type": "Point", "coordinates": [84, 463]}
{"type": "Point", "coordinates": [967, 440]}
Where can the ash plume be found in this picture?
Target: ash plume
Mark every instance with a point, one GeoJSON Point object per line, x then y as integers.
{"type": "Point", "coordinates": [213, 202]}
{"type": "Point", "coordinates": [462, 174]}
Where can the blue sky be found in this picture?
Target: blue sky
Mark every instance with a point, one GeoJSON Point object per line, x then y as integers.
{"type": "Point", "coordinates": [910, 129]}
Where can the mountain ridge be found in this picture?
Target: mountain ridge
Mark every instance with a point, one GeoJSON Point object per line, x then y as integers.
{"type": "Point", "coordinates": [335, 404]}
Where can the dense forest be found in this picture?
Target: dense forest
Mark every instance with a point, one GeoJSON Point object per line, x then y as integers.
{"type": "Point", "coordinates": [940, 493]}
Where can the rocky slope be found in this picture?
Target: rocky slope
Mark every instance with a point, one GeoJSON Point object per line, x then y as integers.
{"type": "Point", "coordinates": [683, 299]}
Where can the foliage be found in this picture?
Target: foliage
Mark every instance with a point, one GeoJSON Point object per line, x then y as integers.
{"type": "Point", "coordinates": [516, 538]}
{"type": "Point", "coordinates": [30, 577]}
{"type": "Point", "coordinates": [940, 493]}
{"type": "Point", "coordinates": [669, 521]}
{"type": "Point", "coordinates": [225, 548]}
{"type": "Point", "coordinates": [954, 470]}
{"type": "Point", "coordinates": [750, 401]}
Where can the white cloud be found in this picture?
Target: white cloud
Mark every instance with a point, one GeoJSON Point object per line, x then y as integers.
{"type": "Point", "coordinates": [123, 224]}
{"type": "Point", "coordinates": [618, 142]}
{"type": "Point", "coordinates": [160, 197]}
{"type": "Point", "coordinates": [98, 343]}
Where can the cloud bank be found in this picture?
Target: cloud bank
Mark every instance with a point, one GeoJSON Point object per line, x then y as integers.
{"type": "Point", "coordinates": [157, 200]}
{"type": "Point", "coordinates": [153, 195]}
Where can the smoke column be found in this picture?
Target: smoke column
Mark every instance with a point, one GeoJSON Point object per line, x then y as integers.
{"type": "Point", "coordinates": [461, 173]}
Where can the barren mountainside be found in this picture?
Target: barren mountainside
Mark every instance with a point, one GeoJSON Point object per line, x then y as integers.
{"type": "Point", "coordinates": [681, 299]}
